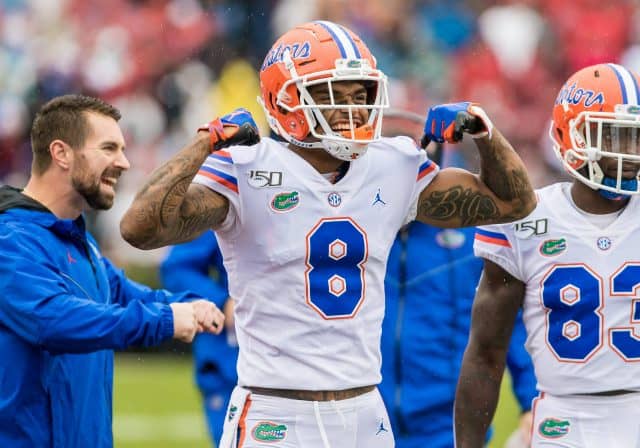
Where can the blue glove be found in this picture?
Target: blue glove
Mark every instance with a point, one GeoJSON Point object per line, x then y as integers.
{"type": "Point", "coordinates": [236, 128]}
{"type": "Point", "coordinates": [448, 123]}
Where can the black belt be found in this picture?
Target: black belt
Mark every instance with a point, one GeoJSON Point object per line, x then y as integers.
{"type": "Point", "coordinates": [312, 395]}
{"type": "Point", "coordinates": [611, 393]}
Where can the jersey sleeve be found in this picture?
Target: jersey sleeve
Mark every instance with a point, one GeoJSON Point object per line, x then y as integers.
{"type": "Point", "coordinates": [495, 243]}
{"type": "Point", "coordinates": [218, 173]}
{"type": "Point", "coordinates": [427, 170]}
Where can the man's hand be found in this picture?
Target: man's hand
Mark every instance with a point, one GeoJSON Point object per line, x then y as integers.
{"type": "Point", "coordinates": [448, 123]}
{"type": "Point", "coordinates": [208, 316]}
{"type": "Point", "coordinates": [190, 318]}
{"type": "Point", "coordinates": [185, 324]}
{"type": "Point", "coordinates": [236, 128]}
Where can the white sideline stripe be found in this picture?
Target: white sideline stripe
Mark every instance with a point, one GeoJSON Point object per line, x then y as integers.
{"type": "Point", "coordinates": [143, 427]}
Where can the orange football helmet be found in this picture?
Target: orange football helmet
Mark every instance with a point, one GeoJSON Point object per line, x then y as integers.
{"type": "Point", "coordinates": [596, 115]}
{"type": "Point", "coordinates": [316, 53]}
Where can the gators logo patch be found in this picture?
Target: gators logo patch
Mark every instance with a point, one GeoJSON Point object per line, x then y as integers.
{"type": "Point", "coordinates": [552, 428]}
{"type": "Point", "coordinates": [269, 432]}
{"type": "Point", "coordinates": [285, 202]}
{"type": "Point", "coordinates": [553, 247]}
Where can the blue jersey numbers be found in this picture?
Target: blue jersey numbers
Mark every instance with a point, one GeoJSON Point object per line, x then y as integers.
{"type": "Point", "coordinates": [574, 297]}
{"type": "Point", "coordinates": [337, 252]}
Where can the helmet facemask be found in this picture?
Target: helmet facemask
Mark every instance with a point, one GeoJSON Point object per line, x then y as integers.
{"type": "Point", "coordinates": [346, 144]}
{"type": "Point", "coordinates": [596, 136]}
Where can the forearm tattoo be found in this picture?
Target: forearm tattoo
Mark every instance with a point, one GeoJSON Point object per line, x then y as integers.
{"type": "Point", "coordinates": [469, 205]}
{"type": "Point", "coordinates": [502, 170]}
{"type": "Point", "coordinates": [509, 185]}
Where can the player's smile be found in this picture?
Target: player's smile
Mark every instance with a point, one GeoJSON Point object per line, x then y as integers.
{"type": "Point", "coordinates": [630, 169]}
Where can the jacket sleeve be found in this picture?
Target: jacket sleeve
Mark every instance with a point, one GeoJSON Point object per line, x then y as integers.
{"type": "Point", "coordinates": [188, 265]}
{"type": "Point", "coordinates": [37, 305]}
{"type": "Point", "coordinates": [520, 366]}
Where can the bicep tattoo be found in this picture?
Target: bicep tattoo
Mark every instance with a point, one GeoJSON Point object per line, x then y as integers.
{"type": "Point", "coordinates": [466, 204]}
{"type": "Point", "coordinates": [203, 209]}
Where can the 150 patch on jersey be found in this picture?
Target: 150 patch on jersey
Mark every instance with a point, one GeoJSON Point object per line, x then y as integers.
{"type": "Point", "coordinates": [264, 178]}
{"type": "Point", "coordinates": [269, 432]}
{"type": "Point", "coordinates": [535, 227]}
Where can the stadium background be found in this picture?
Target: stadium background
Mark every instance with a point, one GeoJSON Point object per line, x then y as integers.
{"type": "Point", "coordinates": [170, 65]}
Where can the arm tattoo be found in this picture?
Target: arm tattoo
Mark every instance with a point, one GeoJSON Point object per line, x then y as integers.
{"type": "Point", "coordinates": [502, 170]}
{"type": "Point", "coordinates": [166, 210]}
{"type": "Point", "coordinates": [172, 200]}
{"type": "Point", "coordinates": [469, 205]}
{"type": "Point", "coordinates": [509, 186]}
{"type": "Point", "coordinates": [199, 214]}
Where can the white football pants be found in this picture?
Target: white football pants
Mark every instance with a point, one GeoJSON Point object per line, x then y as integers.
{"type": "Point", "coordinates": [254, 421]}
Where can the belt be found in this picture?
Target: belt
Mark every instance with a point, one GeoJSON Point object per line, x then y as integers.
{"type": "Point", "coordinates": [611, 393]}
{"type": "Point", "coordinates": [312, 395]}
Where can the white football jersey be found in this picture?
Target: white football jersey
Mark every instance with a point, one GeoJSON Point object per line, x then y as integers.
{"type": "Point", "coordinates": [306, 258]}
{"type": "Point", "coordinates": [582, 305]}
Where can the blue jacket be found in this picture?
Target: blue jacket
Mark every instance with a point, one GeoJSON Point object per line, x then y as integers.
{"type": "Point", "coordinates": [189, 265]}
{"type": "Point", "coordinates": [430, 284]}
{"type": "Point", "coordinates": [64, 308]}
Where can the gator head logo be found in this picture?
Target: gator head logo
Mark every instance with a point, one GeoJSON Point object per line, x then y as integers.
{"type": "Point", "coordinates": [553, 428]}
{"type": "Point", "coordinates": [553, 247]}
{"type": "Point", "coordinates": [285, 202]}
{"type": "Point", "coordinates": [269, 432]}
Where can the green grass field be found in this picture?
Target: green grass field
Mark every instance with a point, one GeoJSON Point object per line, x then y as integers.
{"type": "Point", "coordinates": [157, 406]}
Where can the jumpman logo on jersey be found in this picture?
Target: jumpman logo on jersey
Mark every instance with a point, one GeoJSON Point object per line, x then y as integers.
{"type": "Point", "coordinates": [378, 199]}
{"type": "Point", "coordinates": [381, 428]}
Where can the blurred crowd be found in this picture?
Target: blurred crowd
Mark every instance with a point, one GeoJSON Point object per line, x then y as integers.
{"type": "Point", "coordinates": [171, 65]}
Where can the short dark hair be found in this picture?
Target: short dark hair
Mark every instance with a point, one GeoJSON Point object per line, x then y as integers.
{"type": "Point", "coordinates": [64, 118]}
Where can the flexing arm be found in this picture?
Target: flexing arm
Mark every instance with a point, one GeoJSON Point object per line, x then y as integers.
{"type": "Point", "coordinates": [501, 193]}
{"type": "Point", "coordinates": [168, 209]}
{"type": "Point", "coordinates": [495, 308]}
{"type": "Point", "coordinates": [457, 198]}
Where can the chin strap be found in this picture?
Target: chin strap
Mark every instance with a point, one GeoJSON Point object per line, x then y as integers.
{"type": "Point", "coordinates": [625, 184]}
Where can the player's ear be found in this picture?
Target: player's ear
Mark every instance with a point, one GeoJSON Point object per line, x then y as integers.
{"type": "Point", "coordinates": [61, 154]}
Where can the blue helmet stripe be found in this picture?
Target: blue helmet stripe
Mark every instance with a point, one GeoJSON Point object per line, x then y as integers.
{"type": "Point", "coordinates": [628, 84]}
{"type": "Point", "coordinates": [348, 48]}
{"type": "Point", "coordinates": [353, 44]}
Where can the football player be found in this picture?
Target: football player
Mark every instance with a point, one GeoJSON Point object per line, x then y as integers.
{"type": "Point", "coordinates": [305, 227]}
{"type": "Point", "coordinates": [573, 266]}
